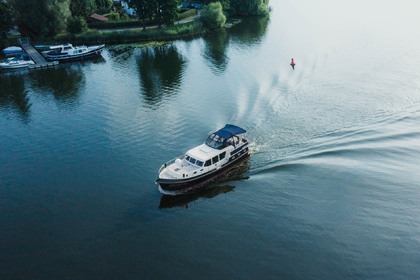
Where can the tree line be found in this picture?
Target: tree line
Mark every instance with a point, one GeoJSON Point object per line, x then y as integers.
{"type": "Point", "coordinates": [49, 17]}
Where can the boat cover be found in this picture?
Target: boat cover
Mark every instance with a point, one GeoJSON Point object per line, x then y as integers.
{"type": "Point", "coordinates": [12, 50]}
{"type": "Point", "coordinates": [230, 130]}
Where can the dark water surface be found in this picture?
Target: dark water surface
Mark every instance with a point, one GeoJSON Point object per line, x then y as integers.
{"type": "Point", "coordinates": [332, 188]}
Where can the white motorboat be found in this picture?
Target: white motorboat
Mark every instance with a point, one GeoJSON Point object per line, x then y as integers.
{"type": "Point", "coordinates": [68, 52]}
{"type": "Point", "coordinates": [17, 62]}
{"type": "Point", "coordinates": [222, 151]}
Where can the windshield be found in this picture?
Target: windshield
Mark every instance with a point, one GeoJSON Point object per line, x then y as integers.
{"type": "Point", "coordinates": [215, 141]}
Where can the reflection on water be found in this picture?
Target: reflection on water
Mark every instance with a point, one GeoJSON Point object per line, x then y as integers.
{"type": "Point", "coordinates": [170, 201]}
{"type": "Point", "coordinates": [13, 95]}
{"type": "Point", "coordinates": [63, 82]}
{"type": "Point", "coordinates": [250, 31]}
{"type": "Point", "coordinates": [95, 60]}
{"type": "Point", "coordinates": [161, 71]}
{"type": "Point", "coordinates": [247, 33]}
{"type": "Point", "coordinates": [215, 51]}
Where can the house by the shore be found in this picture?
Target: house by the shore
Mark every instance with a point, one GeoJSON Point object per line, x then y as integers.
{"type": "Point", "coordinates": [97, 18]}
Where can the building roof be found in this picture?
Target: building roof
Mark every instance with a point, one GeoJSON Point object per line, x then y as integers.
{"type": "Point", "coordinates": [98, 17]}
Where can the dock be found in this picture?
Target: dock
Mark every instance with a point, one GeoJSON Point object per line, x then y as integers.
{"type": "Point", "coordinates": [39, 60]}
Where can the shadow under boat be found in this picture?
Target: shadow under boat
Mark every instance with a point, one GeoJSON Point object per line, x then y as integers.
{"type": "Point", "coordinates": [214, 189]}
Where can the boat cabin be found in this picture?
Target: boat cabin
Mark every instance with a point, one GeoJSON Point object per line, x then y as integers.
{"type": "Point", "coordinates": [66, 49]}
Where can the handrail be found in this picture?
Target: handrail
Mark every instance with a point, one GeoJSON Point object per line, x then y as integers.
{"type": "Point", "coordinates": [170, 162]}
{"type": "Point", "coordinates": [24, 40]}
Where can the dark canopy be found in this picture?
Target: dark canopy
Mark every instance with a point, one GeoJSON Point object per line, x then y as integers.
{"type": "Point", "coordinates": [218, 139]}
{"type": "Point", "coordinates": [230, 130]}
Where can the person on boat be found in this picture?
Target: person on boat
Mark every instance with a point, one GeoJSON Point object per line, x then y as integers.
{"type": "Point", "coordinates": [293, 64]}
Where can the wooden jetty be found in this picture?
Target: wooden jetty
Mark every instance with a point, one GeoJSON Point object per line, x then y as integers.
{"type": "Point", "coordinates": [39, 60]}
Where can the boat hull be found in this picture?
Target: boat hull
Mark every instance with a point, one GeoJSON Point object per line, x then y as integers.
{"type": "Point", "coordinates": [75, 57]}
{"type": "Point", "coordinates": [174, 186]}
{"type": "Point", "coordinates": [11, 66]}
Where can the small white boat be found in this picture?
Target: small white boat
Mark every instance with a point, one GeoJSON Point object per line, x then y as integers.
{"type": "Point", "coordinates": [17, 62]}
{"type": "Point", "coordinates": [223, 150]}
{"type": "Point", "coordinates": [68, 52]}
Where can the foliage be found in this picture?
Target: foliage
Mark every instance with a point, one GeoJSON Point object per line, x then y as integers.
{"type": "Point", "coordinates": [243, 7]}
{"type": "Point", "coordinates": [186, 14]}
{"type": "Point", "coordinates": [103, 6]}
{"type": "Point", "coordinates": [82, 8]}
{"type": "Point", "coordinates": [114, 16]}
{"type": "Point", "coordinates": [249, 7]}
{"type": "Point", "coordinates": [163, 11]}
{"type": "Point", "coordinates": [76, 25]}
{"type": "Point", "coordinates": [143, 9]}
{"type": "Point", "coordinates": [6, 18]}
{"type": "Point", "coordinates": [212, 16]}
{"type": "Point", "coordinates": [169, 10]}
{"type": "Point", "coordinates": [189, 29]}
{"type": "Point", "coordinates": [115, 24]}
{"type": "Point", "coordinates": [44, 18]}
{"type": "Point", "coordinates": [125, 17]}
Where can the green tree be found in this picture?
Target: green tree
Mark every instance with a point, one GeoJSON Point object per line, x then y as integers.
{"type": "Point", "coordinates": [249, 7]}
{"type": "Point", "coordinates": [76, 25]}
{"type": "Point", "coordinates": [161, 11]}
{"type": "Point", "coordinates": [143, 10]}
{"type": "Point", "coordinates": [6, 17]}
{"type": "Point", "coordinates": [243, 7]}
{"type": "Point", "coordinates": [212, 16]}
{"type": "Point", "coordinates": [114, 16]}
{"type": "Point", "coordinates": [103, 6]}
{"type": "Point", "coordinates": [82, 8]}
{"type": "Point", "coordinates": [43, 18]}
{"type": "Point", "coordinates": [169, 10]}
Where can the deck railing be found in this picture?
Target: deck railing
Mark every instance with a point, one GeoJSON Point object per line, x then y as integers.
{"type": "Point", "coordinates": [170, 162]}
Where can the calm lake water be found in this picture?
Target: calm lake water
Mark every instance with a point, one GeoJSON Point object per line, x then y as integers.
{"type": "Point", "coordinates": [332, 188]}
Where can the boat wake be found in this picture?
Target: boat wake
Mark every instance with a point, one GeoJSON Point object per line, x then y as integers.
{"type": "Point", "coordinates": [386, 138]}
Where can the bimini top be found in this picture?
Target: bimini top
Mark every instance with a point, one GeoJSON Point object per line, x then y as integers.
{"type": "Point", "coordinates": [217, 139]}
{"type": "Point", "coordinates": [229, 130]}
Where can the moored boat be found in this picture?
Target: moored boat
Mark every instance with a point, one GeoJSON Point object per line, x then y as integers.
{"type": "Point", "coordinates": [68, 52]}
{"type": "Point", "coordinates": [12, 51]}
{"type": "Point", "coordinates": [223, 150]}
{"type": "Point", "coordinates": [17, 62]}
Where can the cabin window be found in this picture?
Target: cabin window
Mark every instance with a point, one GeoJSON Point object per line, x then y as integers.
{"type": "Point", "coordinates": [192, 160]}
{"type": "Point", "coordinates": [208, 163]}
{"type": "Point", "coordinates": [215, 141]}
{"type": "Point", "coordinates": [215, 159]}
{"type": "Point", "coordinates": [199, 163]}
{"type": "Point", "coordinates": [222, 155]}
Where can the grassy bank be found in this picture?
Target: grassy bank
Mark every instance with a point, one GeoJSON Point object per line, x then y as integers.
{"type": "Point", "coordinates": [185, 30]}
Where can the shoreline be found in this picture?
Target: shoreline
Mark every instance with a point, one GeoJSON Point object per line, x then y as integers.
{"type": "Point", "coordinates": [186, 28]}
